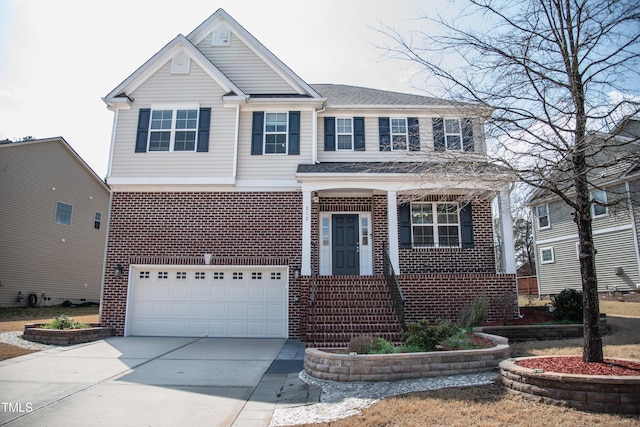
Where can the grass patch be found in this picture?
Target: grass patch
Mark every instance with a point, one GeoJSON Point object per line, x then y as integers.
{"type": "Point", "coordinates": [44, 313]}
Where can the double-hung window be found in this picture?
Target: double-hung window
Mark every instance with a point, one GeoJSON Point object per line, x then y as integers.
{"type": "Point", "coordinates": [275, 133]}
{"type": "Point", "coordinates": [542, 212]}
{"type": "Point", "coordinates": [344, 133]}
{"type": "Point", "coordinates": [453, 134]}
{"type": "Point", "coordinates": [435, 225]}
{"type": "Point", "coordinates": [63, 213]}
{"type": "Point", "coordinates": [173, 130]}
{"type": "Point", "coordinates": [598, 210]}
{"type": "Point", "coordinates": [399, 134]}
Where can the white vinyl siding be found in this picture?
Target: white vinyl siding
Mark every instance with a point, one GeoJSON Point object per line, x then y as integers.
{"type": "Point", "coordinates": [244, 68]}
{"type": "Point", "coordinates": [166, 88]}
{"type": "Point", "coordinates": [265, 168]}
{"type": "Point", "coordinates": [37, 255]}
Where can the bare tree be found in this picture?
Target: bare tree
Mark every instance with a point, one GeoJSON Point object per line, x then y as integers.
{"type": "Point", "coordinates": [552, 71]}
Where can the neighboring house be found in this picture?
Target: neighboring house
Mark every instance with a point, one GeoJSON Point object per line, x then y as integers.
{"type": "Point", "coordinates": [53, 217]}
{"type": "Point", "coordinates": [616, 222]}
{"type": "Point", "coordinates": [247, 202]}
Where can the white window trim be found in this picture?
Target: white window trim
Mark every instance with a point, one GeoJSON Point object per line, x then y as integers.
{"type": "Point", "coordinates": [435, 224]}
{"type": "Point", "coordinates": [553, 255]}
{"type": "Point", "coordinates": [446, 134]}
{"type": "Point", "coordinates": [548, 218]}
{"type": "Point", "coordinates": [286, 135]}
{"type": "Point", "coordinates": [405, 134]}
{"type": "Point", "coordinates": [593, 206]}
{"type": "Point", "coordinates": [172, 131]}
{"type": "Point", "coordinates": [338, 134]}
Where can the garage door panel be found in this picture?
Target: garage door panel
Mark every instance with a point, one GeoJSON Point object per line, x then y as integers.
{"type": "Point", "coordinates": [208, 301]}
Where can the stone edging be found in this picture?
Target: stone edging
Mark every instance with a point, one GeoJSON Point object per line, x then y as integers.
{"type": "Point", "coordinates": [539, 332]}
{"type": "Point", "coordinates": [391, 367]}
{"type": "Point", "coordinates": [596, 393]}
{"type": "Point", "coordinates": [34, 332]}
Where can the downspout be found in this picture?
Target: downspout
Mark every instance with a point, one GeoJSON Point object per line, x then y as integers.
{"type": "Point", "coordinates": [234, 172]}
{"type": "Point", "coordinates": [535, 247]}
{"type": "Point", "coordinates": [113, 140]}
{"type": "Point", "coordinates": [314, 138]}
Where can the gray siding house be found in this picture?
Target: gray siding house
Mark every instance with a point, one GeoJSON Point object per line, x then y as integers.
{"type": "Point", "coordinates": [53, 220]}
{"type": "Point", "coordinates": [616, 221]}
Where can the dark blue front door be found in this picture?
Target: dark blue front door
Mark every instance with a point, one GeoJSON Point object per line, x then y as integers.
{"type": "Point", "coordinates": [346, 256]}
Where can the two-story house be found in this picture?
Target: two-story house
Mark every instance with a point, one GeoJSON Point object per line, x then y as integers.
{"type": "Point", "coordinates": [53, 225]}
{"type": "Point", "coordinates": [247, 202]}
{"type": "Point", "coordinates": [616, 219]}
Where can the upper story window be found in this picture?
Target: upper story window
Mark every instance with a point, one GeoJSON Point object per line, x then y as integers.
{"type": "Point", "coordinates": [173, 130]}
{"type": "Point", "coordinates": [344, 134]}
{"type": "Point", "coordinates": [97, 220]}
{"type": "Point", "coordinates": [275, 133]}
{"type": "Point", "coordinates": [435, 225]}
{"type": "Point", "coordinates": [399, 134]}
{"type": "Point", "coordinates": [452, 134]}
{"type": "Point", "coordinates": [542, 212]}
{"type": "Point", "coordinates": [63, 213]}
{"type": "Point", "coordinates": [598, 210]}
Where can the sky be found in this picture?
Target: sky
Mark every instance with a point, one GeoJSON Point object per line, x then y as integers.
{"type": "Point", "coordinates": [58, 58]}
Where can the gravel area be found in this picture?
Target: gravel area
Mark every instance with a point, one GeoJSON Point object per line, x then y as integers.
{"type": "Point", "coordinates": [340, 400]}
{"type": "Point", "coordinates": [15, 338]}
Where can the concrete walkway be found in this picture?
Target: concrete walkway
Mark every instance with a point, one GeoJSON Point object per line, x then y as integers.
{"type": "Point", "coordinates": [155, 382]}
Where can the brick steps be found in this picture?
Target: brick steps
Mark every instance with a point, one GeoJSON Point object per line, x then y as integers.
{"type": "Point", "coordinates": [348, 306]}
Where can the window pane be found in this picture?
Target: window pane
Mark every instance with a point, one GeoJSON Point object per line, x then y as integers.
{"type": "Point", "coordinates": [452, 126]}
{"type": "Point", "coordinates": [447, 213]}
{"type": "Point", "coordinates": [63, 213]}
{"type": "Point", "coordinates": [448, 235]}
{"type": "Point", "coordinates": [399, 142]}
{"type": "Point", "coordinates": [423, 236]}
{"type": "Point", "coordinates": [398, 126]}
{"type": "Point", "coordinates": [275, 143]}
{"type": "Point", "coordinates": [453, 142]}
{"type": "Point", "coordinates": [422, 213]}
{"type": "Point", "coordinates": [276, 122]}
{"type": "Point", "coordinates": [344, 125]}
{"type": "Point", "coordinates": [186, 119]}
{"type": "Point", "coordinates": [159, 141]}
{"type": "Point", "coordinates": [161, 119]}
{"type": "Point", "coordinates": [185, 141]}
{"type": "Point", "coordinates": [344, 142]}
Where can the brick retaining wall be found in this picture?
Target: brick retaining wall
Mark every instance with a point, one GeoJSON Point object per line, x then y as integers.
{"type": "Point", "coordinates": [34, 332]}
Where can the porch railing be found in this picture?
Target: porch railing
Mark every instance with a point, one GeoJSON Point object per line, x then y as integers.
{"type": "Point", "coordinates": [394, 288]}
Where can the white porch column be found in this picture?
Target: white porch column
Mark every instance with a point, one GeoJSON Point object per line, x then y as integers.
{"type": "Point", "coordinates": [392, 221]}
{"type": "Point", "coordinates": [506, 225]}
{"type": "Point", "coordinates": [306, 233]}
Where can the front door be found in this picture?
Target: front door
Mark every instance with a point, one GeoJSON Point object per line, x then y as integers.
{"type": "Point", "coordinates": [345, 244]}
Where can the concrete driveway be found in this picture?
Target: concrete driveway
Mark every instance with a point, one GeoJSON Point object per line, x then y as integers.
{"type": "Point", "coordinates": [134, 381]}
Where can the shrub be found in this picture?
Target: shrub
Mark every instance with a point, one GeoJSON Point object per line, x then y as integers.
{"type": "Point", "coordinates": [474, 314]}
{"type": "Point", "coordinates": [506, 305]}
{"type": "Point", "coordinates": [384, 347]}
{"type": "Point", "coordinates": [421, 336]}
{"type": "Point", "coordinates": [64, 322]}
{"type": "Point", "coordinates": [362, 344]}
{"type": "Point", "coordinates": [460, 341]}
{"type": "Point", "coordinates": [567, 305]}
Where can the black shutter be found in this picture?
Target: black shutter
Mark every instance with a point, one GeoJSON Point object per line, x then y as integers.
{"type": "Point", "coordinates": [256, 133]}
{"type": "Point", "coordinates": [466, 225]}
{"type": "Point", "coordinates": [142, 135]}
{"type": "Point", "coordinates": [438, 134]}
{"type": "Point", "coordinates": [414, 133]}
{"type": "Point", "coordinates": [467, 135]}
{"type": "Point", "coordinates": [385, 133]}
{"type": "Point", "coordinates": [405, 225]}
{"type": "Point", "coordinates": [329, 134]}
{"type": "Point", "coordinates": [203, 130]}
{"type": "Point", "coordinates": [358, 134]}
{"type": "Point", "coordinates": [294, 132]}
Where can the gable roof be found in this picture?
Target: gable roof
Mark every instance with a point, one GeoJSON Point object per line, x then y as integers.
{"type": "Point", "coordinates": [120, 95]}
{"type": "Point", "coordinates": [221, 16]}
{"type": "Point", "coordinates": [65, 144]}
{"type": "Point", "coordinates": [339, 95]}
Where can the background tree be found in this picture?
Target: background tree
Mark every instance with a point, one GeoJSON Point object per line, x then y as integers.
{"type": "Point", "coordinates": [552, 71]}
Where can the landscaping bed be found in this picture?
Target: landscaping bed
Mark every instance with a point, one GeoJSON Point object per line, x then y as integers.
{"type": "Point", "coordinates": [329, 365]}
{"type": "Point", "coordinates": [95, 331]}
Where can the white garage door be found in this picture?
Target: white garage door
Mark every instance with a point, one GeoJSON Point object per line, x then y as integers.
{"type": "Point", "coordinates": [188, 301]}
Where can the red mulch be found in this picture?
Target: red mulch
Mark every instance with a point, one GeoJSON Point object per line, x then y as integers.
{"type": "Point", "coordinates": [575, 365]}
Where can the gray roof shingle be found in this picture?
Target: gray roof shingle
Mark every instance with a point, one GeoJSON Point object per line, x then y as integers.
{"type": "Point", "coordinates": [338, 94]}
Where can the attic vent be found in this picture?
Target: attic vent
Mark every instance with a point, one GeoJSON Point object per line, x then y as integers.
{"type": "Point", "coordinates": [180, 63]}
{"type": "Point", "coordinates": [221, 36]}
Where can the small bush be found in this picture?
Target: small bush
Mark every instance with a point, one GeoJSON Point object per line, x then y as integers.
{"type": "Point", "coordinates": [64, 322]}
{"type": "Point", "coordinates": [421, 336]}
{"type": "Point", "coordinates": [460, 341]}
{"type": "Point", "coordinates": [384, 347]}
{"type": "Point", "coordinates": [475, 313]}
{"type": "Point", "coordinates": [567, 305]}
{"type": "Point", "coordinates": [362, 344]}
